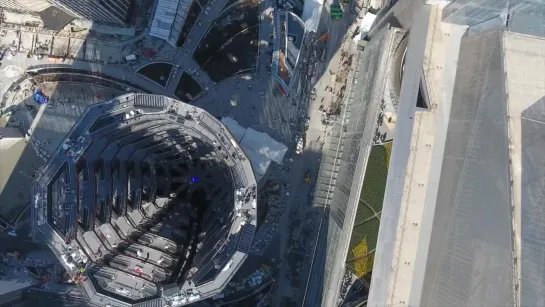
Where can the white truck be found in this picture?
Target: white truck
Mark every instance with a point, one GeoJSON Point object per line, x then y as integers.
{"type": "Point", "coordinates": [299, 144]}
{"type": "Point", "coordinates": [130, 57]}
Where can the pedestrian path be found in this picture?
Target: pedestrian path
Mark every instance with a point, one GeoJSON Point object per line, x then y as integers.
{"type": "Point", "coordinates": [184, 57]}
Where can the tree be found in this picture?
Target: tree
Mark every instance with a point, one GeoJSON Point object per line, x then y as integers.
{"type": "Point", "coordinates": [364, 261]}
{"type": "Point", "coordinates": [388, 147]}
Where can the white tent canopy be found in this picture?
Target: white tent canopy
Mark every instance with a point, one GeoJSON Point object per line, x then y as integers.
{"type": "Point", "coordinates": [265, 145]}
{"type": "Point", "coordinates": [260, 163]}
{"type": "Point", "coordinates": [236, 130]}
{"type": "Point", "coordinates": [260, 147]}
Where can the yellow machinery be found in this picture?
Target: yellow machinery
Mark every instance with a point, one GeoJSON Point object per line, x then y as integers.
{"type": "Point", "coordinates": [307, 177]}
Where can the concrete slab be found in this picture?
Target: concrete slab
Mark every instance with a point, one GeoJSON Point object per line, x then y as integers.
{"type": "Point", "coordinates": [384, 278]}
{"type": "Point", "coordinates": [110, 234]}
{"type": "Point", "coordinates": [60, 46]}
{"type": "Point", "coordinates": [443, 52]}
{"type": "Point", "coordinates": [524, 61]}
{"type": "Point", "coordinates": [10, 39]}
{"type": "Point", "coordinates": [112, 53]}
{"type": "Point", "coordinates": [93, 242]}
{"type": "Point", "coordinates": [76, 48]}
{"type": "Point", "coordinates": [43, 44]}
{"type": "Point", "coordinates": [93, 51]}
{"type": "Point", "coordinates": [27, 39]}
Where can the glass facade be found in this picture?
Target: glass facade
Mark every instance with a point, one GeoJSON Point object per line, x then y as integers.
{"type": "Point", "coordinates": [472, 12]}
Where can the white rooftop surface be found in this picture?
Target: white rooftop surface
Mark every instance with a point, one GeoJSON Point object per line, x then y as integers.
{"type": "Point", "coordinates": [399, 280]}
{"type": "Point", "coordinates": [123, 225]}
{"type": "Point", "coordinates": [524, 87]}
{"type": "Point", "coordinates": [136, 216]}
{"type": "Point", "coordinates": [402, 277]}
{"type": "Point", "coordinates": [260, 163]}
{"type": "Point", "coordinates": [92, 241]}
{"type": "Point", "coordinates": [428, 141]}
{"type": "Point", "coordinates": [110, 234]}
{"type": "Point", "coordinates": [35, 5]}
{"type": "Point", "coordinates": [259, 146]}
{"type": "Point", "coordinates": [11, 148]}
{"type": "Point", "coordinates": [264, 144]}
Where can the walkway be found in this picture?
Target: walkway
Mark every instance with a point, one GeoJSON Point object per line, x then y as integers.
{"type": "Point", "coordinates": [115, 71]}
{"type": "Point", "coordinates": [184, 57]}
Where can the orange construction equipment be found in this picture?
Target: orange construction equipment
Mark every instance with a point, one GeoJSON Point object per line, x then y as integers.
{"type": "Point", "coordinates": [323, 38]}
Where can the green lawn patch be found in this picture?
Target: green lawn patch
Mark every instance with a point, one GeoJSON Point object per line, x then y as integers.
{"type": "Point", "coordinates": [374, 183]}
{"type": "Point", "coordinates": [371, 198]}
{"type": "Point", "coordinates": [363, 213]}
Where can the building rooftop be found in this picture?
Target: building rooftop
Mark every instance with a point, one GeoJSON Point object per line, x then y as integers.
{"type": "Point", "coordinates": [454, 227]}
{"type": "Point", "coordinates": [169, 19]}
{"type": "Point", "coordinates": [473, 197]}
{"type": "Point", "coordinates": [523, 63]}
{"type": "Point", "coordinates": [92, 202]}
{"type": "Point", "coordinates": [27, 5]}
{"type": "Point", "coordinates": [12, 145]}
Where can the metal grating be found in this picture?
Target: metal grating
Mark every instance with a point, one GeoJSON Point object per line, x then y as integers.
{"type": "Point", "coordinates": [149, 101]}
{"type": "Point", "coordinates": [158, 302]}
{"type": "Point", "coordinates": [246, 238]}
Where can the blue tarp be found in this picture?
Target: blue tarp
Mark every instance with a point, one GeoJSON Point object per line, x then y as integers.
{"type": "Point", "coordinates": [40, 97]}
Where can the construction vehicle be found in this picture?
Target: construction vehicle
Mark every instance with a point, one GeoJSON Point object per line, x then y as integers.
{"type": "Point", "coordinates": [322, 38]}
{"type": "Point", "coordinates": [336, 12]}
{"type": "Point", "coordinates": [307, 177]}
